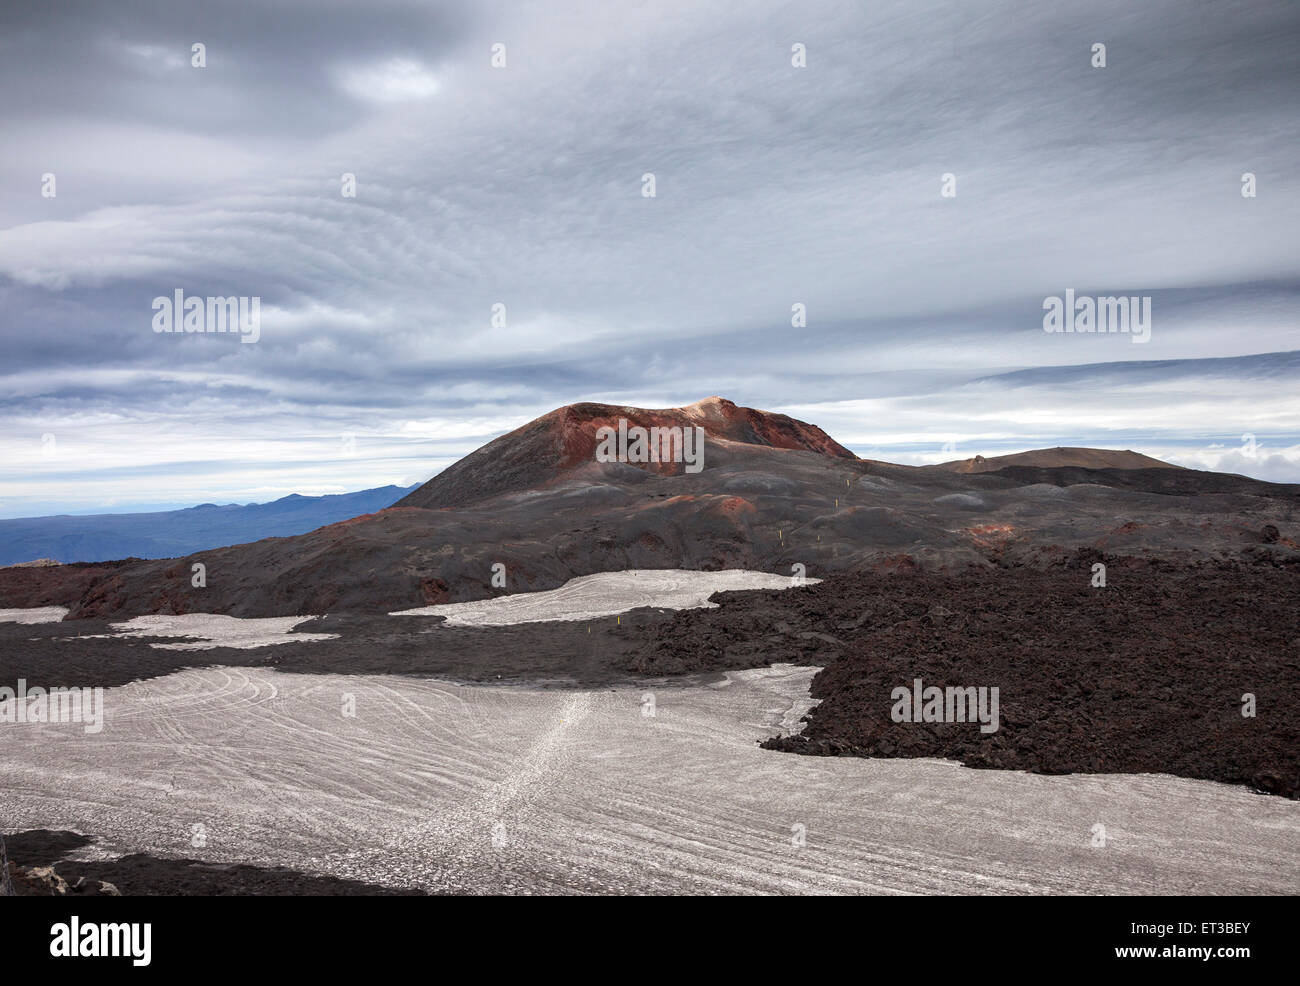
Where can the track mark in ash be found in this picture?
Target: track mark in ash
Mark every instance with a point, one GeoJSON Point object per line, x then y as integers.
{"type": "Point", "coordinates": [488, 789]}
{"type": "Point", "coordinates": [473, 844]}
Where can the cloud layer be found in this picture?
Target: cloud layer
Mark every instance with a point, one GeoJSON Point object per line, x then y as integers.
{"type": "Point", "coordinates": [521, 185]}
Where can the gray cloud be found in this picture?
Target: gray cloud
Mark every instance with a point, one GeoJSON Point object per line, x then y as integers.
{"type": "Point", "coordinates": [522, 186]}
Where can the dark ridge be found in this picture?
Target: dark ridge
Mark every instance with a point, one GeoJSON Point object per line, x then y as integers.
{"type": "Point", "coordinates": [1173, 482]}
{"type": "Point", "coordinates": [140, 874]}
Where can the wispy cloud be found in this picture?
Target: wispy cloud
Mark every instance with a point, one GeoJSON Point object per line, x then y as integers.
{"type": "Point", "coordinates": [521, 186]}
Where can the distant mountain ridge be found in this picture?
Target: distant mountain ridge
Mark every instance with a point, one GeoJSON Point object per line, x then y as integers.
{"type": "Point", "coordinates": [1061, 457]}
{"type": "Point", "coordinates": [173, 533]}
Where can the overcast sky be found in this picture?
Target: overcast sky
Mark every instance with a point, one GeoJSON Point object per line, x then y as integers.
{"type": "Point", "coordinates": [523, 186]}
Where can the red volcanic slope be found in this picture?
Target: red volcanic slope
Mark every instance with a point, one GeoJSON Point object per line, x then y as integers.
{"type": "Point", "coordinates": [558, 443]}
